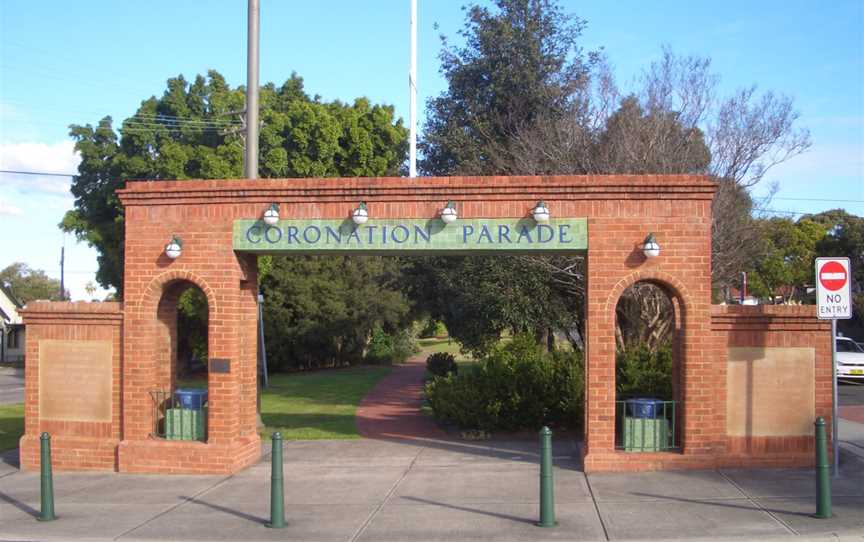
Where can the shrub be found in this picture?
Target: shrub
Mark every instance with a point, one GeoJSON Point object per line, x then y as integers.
{"type": "Point", "coordinates": [433, 328]}
{"type": "Point", "coordinates": [441, 363]}
{"type": "Point", "coordinates": [641, 372]}
{"type": "Point", "coordinates": [386, 348]}
{"type": "Point", "coordinates": [404, 346]}
{"type": "Point", "coordinates": [380, 349]}
{"type": "Point", "coordinates": [517, 386]}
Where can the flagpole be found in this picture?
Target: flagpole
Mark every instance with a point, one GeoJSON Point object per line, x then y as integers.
{"type": "Point", "coordinates": [412, 90]}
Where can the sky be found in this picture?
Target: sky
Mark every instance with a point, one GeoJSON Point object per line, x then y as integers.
{"type": "Point", "coordinates": [74, 62]}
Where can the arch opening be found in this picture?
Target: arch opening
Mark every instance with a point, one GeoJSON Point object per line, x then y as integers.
{"type": "Point", "coordinates": [649, 321]}
{"type": "Point", "coordinates": [180, 405]}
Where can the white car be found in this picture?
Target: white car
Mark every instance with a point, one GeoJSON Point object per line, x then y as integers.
{"type": "Point", "coordinates": [850, 359]}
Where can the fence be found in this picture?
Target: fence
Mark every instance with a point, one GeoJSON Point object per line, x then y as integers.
{"type": "Point", "coordinates": [646, 426]}
{"type": "Point", "coordinates": [171, 422]}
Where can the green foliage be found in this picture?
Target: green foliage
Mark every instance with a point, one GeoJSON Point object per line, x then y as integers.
{"type": "Point", "coordinates": [480, 297]}
{"type": "Point", "coordinates": [321, 310]}
{"type": "Point", "coordinates": [27, 284]}
{"type": "Point", "coordinates": [183, 135]}
{"type": "Point", "coordinates": [517, 386]}
{"type": "Point", "coordinates": [518, 62]}
{"type": "Point", "coordinates": [433, 328]}
{"type": "Point", "coordinates": [441, 363]}
{"type": "Point", "coordinates": [788, 253]}
{"type": "Point", "coordinates": [192, 319]}
{"type": "Point", "coordinates": [641, 372]}
{"type": "Point", "coordinates": [385, 348]}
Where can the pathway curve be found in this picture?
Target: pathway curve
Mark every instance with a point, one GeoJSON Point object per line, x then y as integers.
{"type": "Point", "coordinates": [392, 409]}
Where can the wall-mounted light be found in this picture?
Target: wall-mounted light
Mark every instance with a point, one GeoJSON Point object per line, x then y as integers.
{"type": "Point", "coordinates": [650, 247]}
{"type": "Point", "coordinates": [271, 215]}
{"type": "Point", "coordinates": [449, 213]}
{"type": "Point", "coordinates": [361, 214]}
{"type": "Point", "coordinates": [174, 248]}
{"type": "Point", "coordinates": [541, 212]}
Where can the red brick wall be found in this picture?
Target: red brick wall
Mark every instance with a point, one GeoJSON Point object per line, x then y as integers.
{"type": "Point", "coordinates": [778, 326]}
{"type": "Point", "coordinates": [74, 445]}
{"type": "Point", "coordinates": [621, 211]}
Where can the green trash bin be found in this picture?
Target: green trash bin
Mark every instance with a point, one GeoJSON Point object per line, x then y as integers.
{"type": "Point", "coordinates": [185, 424]}
{"type": "Point", "coordinates": [646, 434]}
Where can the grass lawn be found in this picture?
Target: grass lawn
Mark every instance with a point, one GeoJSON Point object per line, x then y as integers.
{"type": "Point", "coordinates": [432, 345]}
{"type": "Point", "coordinates": [317, 405]}
{"type": "Point", "coordinates": [11, 425]}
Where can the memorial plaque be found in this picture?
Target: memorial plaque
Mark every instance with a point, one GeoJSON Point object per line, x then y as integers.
{"type": "Point", "coordinates": [770, 391]}
{"type": "Point", "coordinates": [220, 365]}
{"type": "Point", "coordinates": [75, 380]}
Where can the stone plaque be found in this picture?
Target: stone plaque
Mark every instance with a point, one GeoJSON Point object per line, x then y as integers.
{"type": "Point", "coordinates": [770, 391]}
{"type": "Point", "coordinates": [75, 380]}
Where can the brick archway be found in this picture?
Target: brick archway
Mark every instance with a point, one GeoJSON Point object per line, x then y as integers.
{"type": "Point", "coordinates": [615, 213]}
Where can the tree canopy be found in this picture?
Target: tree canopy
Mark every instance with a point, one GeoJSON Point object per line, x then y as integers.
{"type": "Point", "coordinates": [28, 284]}
{"type": "Point", "coordinates": [524, 98]}
{"type": "Point", "coordinates": [191, 132]}
{"type": "Point", "coordinates": [319, 311]}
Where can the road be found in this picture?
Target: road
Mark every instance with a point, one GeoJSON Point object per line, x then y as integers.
{"type": "Point", "coordinates": [11, 386]}
{"type": "Point", "coordinates": [850, 394]}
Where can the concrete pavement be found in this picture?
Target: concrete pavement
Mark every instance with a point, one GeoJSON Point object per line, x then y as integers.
{"type": "Point", "coordinates": [429, 489]}
{"type": "Point", "coordinates": [11, 385]}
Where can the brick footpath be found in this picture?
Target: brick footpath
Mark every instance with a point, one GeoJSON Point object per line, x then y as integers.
{"type": "Point", "coordinates": [392, 409]}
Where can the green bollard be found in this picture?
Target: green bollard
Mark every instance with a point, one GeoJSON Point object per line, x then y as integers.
{"type": "Point", "coordinates": [823, 476]}
{"type": "Point", "coordinates": [277, 490]}
{"type": "Point", "coordinates": [547, 491]}
{"type": "Point", "coordinates": [46, 479]}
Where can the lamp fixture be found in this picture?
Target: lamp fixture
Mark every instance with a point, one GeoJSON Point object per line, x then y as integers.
{"type": "Point", "coordinates": [449, 213]}
{"type": "Point", "coordinates": [650, 247]}
{"type": "Point", "coordinates": [174, 248]}
{"type": "Point", "coordinates": [541, 212]}
{"type": "Point", "coordinates": [271, 215]}
{"type": "Point", "coordinates": [361, 214]}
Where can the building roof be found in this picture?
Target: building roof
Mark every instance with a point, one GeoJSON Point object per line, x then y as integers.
{"type": "Point", "coordinates": [9, 307]}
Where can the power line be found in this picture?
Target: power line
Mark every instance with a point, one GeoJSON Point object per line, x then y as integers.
{"type": "Point", "coordinates": [822, 200]}
{"type": "Point", "coordinates": [39, 173]}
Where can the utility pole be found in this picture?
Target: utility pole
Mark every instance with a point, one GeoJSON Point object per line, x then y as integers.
{"type": "Point", "coordinates": [62, 275]}
{"type": "Point", "coordinates": [412, 100]}
{"type": "Point", "coordinates": [251, 162]}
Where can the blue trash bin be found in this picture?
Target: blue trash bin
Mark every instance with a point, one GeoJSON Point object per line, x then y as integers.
{"type": "Point", "coordinates": [644, 407]}
{"type": "Point", "coordinates": [191, 398]}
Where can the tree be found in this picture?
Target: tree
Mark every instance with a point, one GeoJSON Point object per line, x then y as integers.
{"type": "Point", "coordinates": [785, 266]}
{"type": "Point", "coordinates": [845, 237]}
{"type": "Point", "coordinates": [572, 118]}
{"type": "Point", "coordinates": [190, 132]}
{"type": "Point", "coordinates": [519, 63]}
{"type": "Point", "coordinates": [28, 284]}
{"type": "Point", "coordinates": [326, 316]}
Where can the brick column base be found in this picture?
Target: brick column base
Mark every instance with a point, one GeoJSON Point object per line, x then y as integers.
{"type": "Point", "coordinates": [187, 457]}
{"type": "Point", "coordinates": [71, 453]}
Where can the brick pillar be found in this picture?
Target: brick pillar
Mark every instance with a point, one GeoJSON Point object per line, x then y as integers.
{"type": "Point", "coordinates": [599, 365]}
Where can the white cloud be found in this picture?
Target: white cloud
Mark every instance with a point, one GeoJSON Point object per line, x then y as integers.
{"type": "Point", "coordinates": [7, 209]}
{"type": "Point", "coordinates": [41, 157]}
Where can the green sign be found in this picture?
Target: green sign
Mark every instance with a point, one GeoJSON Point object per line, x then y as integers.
{"type": "Point", "coordinates": [412, 236]}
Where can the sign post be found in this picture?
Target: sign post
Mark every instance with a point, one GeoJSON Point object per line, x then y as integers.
{"type": "Point", "coordinates": [833, 302]}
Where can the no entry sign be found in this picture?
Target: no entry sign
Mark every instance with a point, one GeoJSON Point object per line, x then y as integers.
{"type": "Point", "coordinates": [832, 288]}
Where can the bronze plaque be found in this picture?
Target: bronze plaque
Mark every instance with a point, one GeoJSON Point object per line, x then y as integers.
{"type": "Point", "coordinates": [75, 380]}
